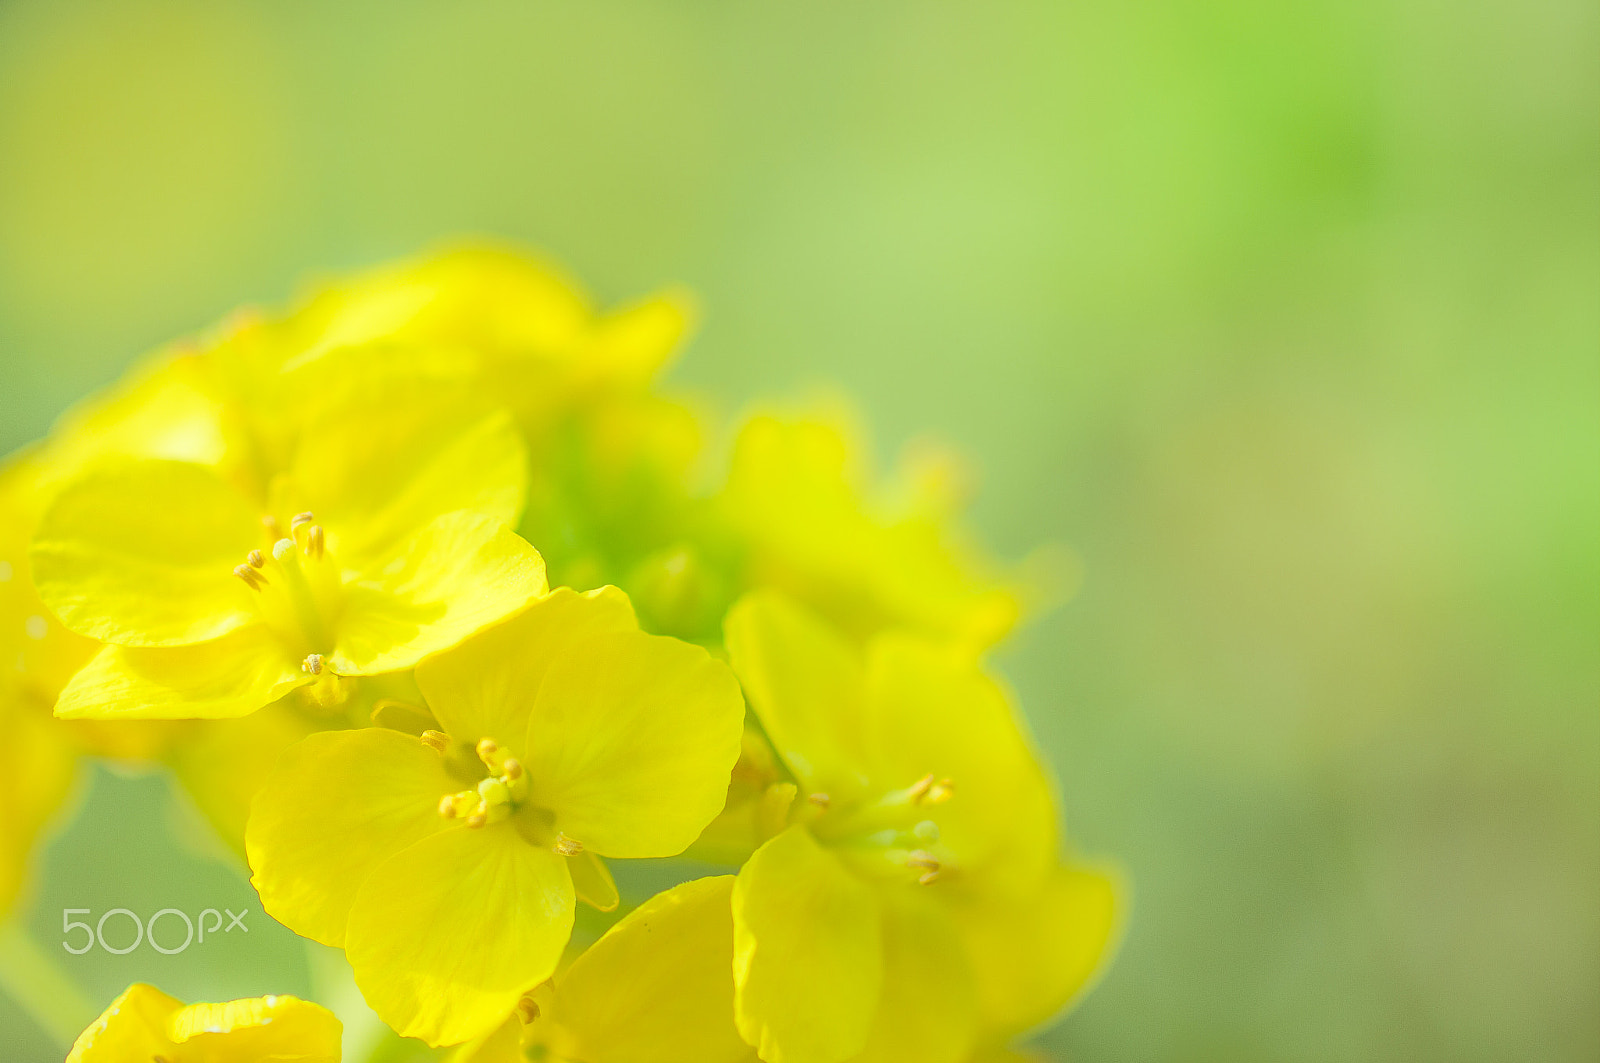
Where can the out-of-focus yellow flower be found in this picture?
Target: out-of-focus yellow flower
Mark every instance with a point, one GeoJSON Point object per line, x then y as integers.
{"type": "Point", "coordinates": [447, 868]}
{"type": "Point", "coordinates": [807, 520]}
{"type": "Point", "coordinates": [145, 1025]}
{"type": "Point", "coordinates": [385, 540]}
{"type": "Point", "coordinates": [919, 823]}
{"type": "Point", "coordinates": [656, 988]}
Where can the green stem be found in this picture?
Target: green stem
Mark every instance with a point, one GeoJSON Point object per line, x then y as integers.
{"type": "Point", "coordinates": [33, 978]}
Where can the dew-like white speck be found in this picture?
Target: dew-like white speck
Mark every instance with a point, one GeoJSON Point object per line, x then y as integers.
{"type": "Point", "coordinates": [5, 571]}
{"type": "Point", "coordinates": [36, 627]}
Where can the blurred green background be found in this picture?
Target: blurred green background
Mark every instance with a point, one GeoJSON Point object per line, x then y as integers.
{"type": "Point", "coordinates": [1286, 317]}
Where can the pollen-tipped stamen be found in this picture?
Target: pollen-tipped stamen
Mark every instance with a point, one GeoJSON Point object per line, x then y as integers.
{"type": "Point", "coordinates": [567, 846]}
{"type": "Point", "coordinates": [312, 665]}
{"type": "Point", "coordinates": [252, 579]}
{"type": "Point", "coordinates": [255, 559]}
{"type": "Point", "coordinates": [437, 741]}
{"type": "Point", "coordinates": [527, 1010]}
{"type": "Point", "coordinates": [316, 542]}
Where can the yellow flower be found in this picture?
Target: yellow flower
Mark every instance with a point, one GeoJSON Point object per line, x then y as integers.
{"type": "Point", "coordinates": [807, 519]}
{"type": "Point", "coordinates": [144, 1025]}
{"type": "Point", "coordinates": [656, 988]}
{"type": "Point", "coordinates": [921, 823]}
{"type": "Point", "coordinates": [447, 868]}
{"type": "Point", "coordinates": [385, 540]}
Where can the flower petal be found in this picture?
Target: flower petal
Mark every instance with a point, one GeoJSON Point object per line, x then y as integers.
{"type": "Point", "coordinates": [631, 742]}
{"type": "Point", "coordinates": [376, 471]}
{"type": "Point", "coordinates": [37, 767]}
{"type": "Point", "coordinates": [1034, 958]}
{"type": "Point", "coordinates": [133, 1027]}
{"type": "Point", "coordinates": [930, 710]}
{"type": "Point", "coordinates": [275, 1028]}
{"type": "Point", "coordinates": [926, 1012]}
{"type": "Point", "coordinates": [447, 935]}
{"type": "Point", "coordinates": [230, 676]}
{"type": "Point", "coordinates": [485, 687]}
{"type": "Point", "coordinates": [658, 987]}
{"type": "Point", "coordinates": [808, 953]}
{"type": "Point", "coordinates": [805, 685]}
{"type": "Point", "coordinates": [222, 765]}
{"type": "Point", "coordinates": [460, 573]}
{"type": "Point", "coordinates": [337, 806]}
{"type": "Point", "coordinates": [141, 553]}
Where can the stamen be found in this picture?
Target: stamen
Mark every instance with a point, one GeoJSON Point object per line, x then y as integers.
{"type": "Point", "coordinates": [922, 860]}
{"type": "Point", "coordinates": [255, 559]}
{"type": "Point", "coordinates": [447, 806]}
{"type": "Point", "coordinates": [312, 664]}
{"type": "Point", "coordinates": [567, 846]}
{"type": "Point", "coordinates": [527, 1010]}
{"type": "Point", "coordinates": [820, 800]}
{"type": "Point", "coordinates": [513, 769]}
{"type": "Point", "coordinates": [941, 791]}
{"type": "Point", "coordinates": [299, 520]}
{"type": "Point", "coordinates": [252, 579]}
{"type": "Point", "coordinates": [920, 788]}
{"type": "Point", "coordinates": [315, 543]}
{"type": "Point", "coordinates": [478, 819]}
{"type": "Point", "coordinates": [437, 741]}
{"type": "Point", "coordinates": [930, 878]}
{"type": "Point", "coordinates": [486, 749]}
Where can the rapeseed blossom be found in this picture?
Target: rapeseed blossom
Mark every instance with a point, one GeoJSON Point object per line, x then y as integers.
{"type": "Point", "coordinates": [919, 818]}
{"type": "Point", "coordinates": [144, 1025]}
{"type": "Point", "coordinates": [384, 541]}
{"type": "Point", "coordinates": [326, 530]}
{"type": "Point", "coordinates": [447, 866]}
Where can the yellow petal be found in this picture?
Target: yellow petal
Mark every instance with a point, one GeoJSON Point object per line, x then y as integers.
{"type": "Point", "coordinates": [338, 805]}
{"type": "Point", "coordinates": [592, 881]}
{"type": "Point", "coordinates": [458, 574]}
{"type": "Point", "coordinates": [485, 687]}
{"type": "Point", "coordinates": [272, 1028]}
{"type": "Point", "coordinates": [447, 934]}
{"type": "Point", "coordinates": [230, 676]}
{"type": "Point", "coordinates": [805, 686]}
{"type": "Point", "coordinates": [37, 766]}
{"type": "Point", "coordinates": [134, 1027]}
{"type": "Point", "coordinates": [636, 341]}
{"type": "Point", "coordinates": [1034, 958]}
{"type": "Point", "coordinates": [377, 473]}
{"type": "Point", "coordinates": [142, 553]}
{"type": "Point", "coordinates": [480, 296]}
{"type": "Point", "coordinates": [933, 711]}
{"type": "Point", "coordinates": [221, 765]}
{"type": "Point", "coordinates": [631, 742]}
{"type": "Point", "coordinates": [926, 1012]}
{"type": "Point", "coordinates": [808, 953]}
{"type": "Point", "coordinates": [658, 987]}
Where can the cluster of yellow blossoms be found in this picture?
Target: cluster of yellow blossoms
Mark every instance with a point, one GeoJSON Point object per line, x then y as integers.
{"type": "Point", "coordinates": [306, 562]}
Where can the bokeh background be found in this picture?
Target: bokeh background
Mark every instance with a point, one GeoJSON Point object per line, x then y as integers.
{"type": "Point", "coordinates": [1285, 317]}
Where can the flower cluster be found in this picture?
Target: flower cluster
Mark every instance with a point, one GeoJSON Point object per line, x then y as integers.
{"type": "Point", "coordinates": [425, 592]}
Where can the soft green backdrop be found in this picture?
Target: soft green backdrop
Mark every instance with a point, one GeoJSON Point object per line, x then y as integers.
{"type": "Point", "coordinates": [1285, 316]}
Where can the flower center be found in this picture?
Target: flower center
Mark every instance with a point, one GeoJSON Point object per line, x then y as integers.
{"type": "Point", "coordinates": [896, 835]}
{"type": "Point", "coordinates": [299, 592]}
